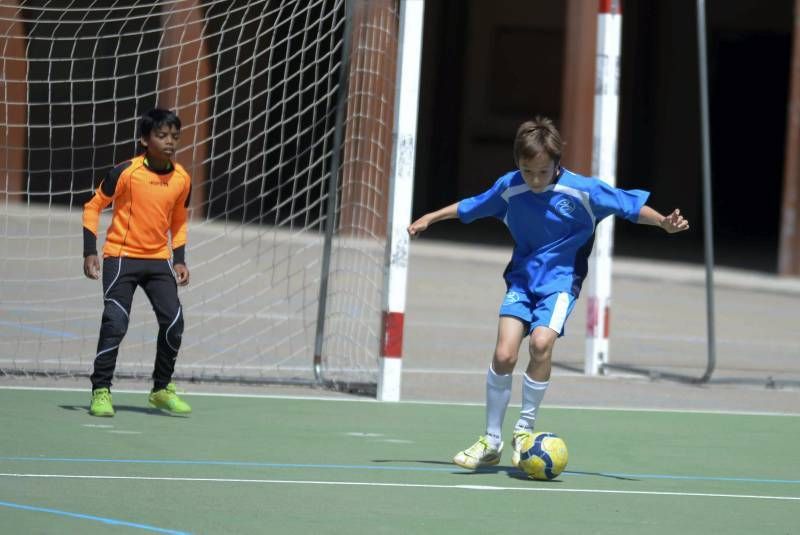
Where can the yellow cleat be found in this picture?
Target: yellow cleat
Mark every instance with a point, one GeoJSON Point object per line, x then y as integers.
{"type": "Point", "coordinates": [479, 454]}
{"type": "Point", "coordinates": [516, 445]}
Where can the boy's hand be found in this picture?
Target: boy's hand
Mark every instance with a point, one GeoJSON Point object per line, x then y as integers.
{"type": "Point", "coordinates": [674, 222]}
{"type": "Point", "coordinates": [421, 225]}
{"type": "Point", "coordinates": [417, 227]}
{"type": "Point", "coordinates": [91, 267]}
{"type": "Point", "coordinates": [181, 274]}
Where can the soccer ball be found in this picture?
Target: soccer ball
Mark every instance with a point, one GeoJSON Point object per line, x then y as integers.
{"type": "Point", "coordinates": [543, 455]}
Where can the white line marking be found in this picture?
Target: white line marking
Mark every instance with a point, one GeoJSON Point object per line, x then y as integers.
{"type": "Point", "coordinates": [408, 485]}
{"type": "Point", "coordinates": [418, 402]}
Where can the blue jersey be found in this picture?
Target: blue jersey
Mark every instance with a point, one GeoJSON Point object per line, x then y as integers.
{"type": "Point", "coordinates": [553, 230]}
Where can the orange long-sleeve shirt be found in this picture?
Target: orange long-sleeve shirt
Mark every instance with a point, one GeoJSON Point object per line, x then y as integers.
{"type": "Point", "coordinates": [147, 205]}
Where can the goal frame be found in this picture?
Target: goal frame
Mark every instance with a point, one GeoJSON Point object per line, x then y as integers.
{"type": "Point", "coordinates": [189, 90]}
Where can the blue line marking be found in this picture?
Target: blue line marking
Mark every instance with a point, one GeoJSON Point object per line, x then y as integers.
{"type": "Point", "coordinates": [233, 463]}
{"type": "Point", "coordinates": [110, 521]}
{"type": "Point", "coordinates": [40, 330]}
{"type": "Point", "coordinates": [452, 469]}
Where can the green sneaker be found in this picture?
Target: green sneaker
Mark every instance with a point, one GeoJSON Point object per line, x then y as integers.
{"type": "Point", "coordinates": [101, 403]}
{"type": "Point", "coordinates": [479, 454]}
{"type": "Point", "coordinates": [167, 399]}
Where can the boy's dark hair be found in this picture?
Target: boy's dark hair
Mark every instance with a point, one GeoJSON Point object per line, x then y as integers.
{"type": "Point", "coordinates": [156, 118]}
{"type": "Point", "coordinates": [538, 136]}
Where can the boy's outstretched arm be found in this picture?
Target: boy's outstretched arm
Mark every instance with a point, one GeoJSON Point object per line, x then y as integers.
{"type": "Point", "coordinates": [421, 224]}
{"type": "Point", "coordinates": [672, 223]}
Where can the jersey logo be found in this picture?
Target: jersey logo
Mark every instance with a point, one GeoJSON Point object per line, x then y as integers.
{"type": "Point", "coordinates": [511, 298]}
{"type": "Point", "coordinates": [565, 206]}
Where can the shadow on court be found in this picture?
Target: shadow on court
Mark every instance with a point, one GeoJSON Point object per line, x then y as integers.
{"type": "Point", "coordinates": [600, 474]}
{"type": "Point", "coordinates": [415, 461]}
{"type": "Point", "coordinates": [515, 473]}
{"type": "Point", "coordinates": [510, 471]}
{"type": "Point", "coordinates": [124, 408]}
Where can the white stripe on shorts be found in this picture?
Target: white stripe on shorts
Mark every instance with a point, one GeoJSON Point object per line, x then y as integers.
{"type": "Point", "coordinates": [559, 312]}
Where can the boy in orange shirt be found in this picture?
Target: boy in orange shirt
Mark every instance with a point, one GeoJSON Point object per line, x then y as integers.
{"type": "Point", "coordinates": [150, 193]}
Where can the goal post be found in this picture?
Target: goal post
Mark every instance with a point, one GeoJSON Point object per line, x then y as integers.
{"type": "Point", "coordinates": [604, 166]}
{"type": "Point", "coordinates": [401, 195]}
{"type": "Point", "coordinates": [257, 85]}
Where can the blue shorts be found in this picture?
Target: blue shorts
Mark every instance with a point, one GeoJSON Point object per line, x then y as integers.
{"type": "Point", "coordinates": [549, 311]}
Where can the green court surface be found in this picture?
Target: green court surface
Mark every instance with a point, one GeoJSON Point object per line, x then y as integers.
{"type": "Point", "coordinates": [295, 465]}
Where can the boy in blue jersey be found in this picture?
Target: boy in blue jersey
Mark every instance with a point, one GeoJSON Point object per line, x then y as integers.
{"type": "Point", "coordinates": [551, 214]}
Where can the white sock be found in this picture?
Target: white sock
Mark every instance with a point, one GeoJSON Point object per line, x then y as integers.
{"type": "Point", "coordinates": [532, 394]}
{"type": "Point", "coordinates": [498, 394]}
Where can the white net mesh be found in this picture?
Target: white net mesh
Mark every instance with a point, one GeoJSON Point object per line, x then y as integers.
{"type": "Point", "coordinates": [257, 85]}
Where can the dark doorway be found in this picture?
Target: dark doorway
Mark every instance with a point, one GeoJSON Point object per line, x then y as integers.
{"type": "Point", "coordinates": [749, 52]}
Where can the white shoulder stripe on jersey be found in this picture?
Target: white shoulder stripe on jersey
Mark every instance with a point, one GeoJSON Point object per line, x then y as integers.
{"type": "Point", "coordinates": [560, 188]}
{"type": "Point", "coordinates": [578, 194]}
{"type": "Point", "coordinates": [515, 190]}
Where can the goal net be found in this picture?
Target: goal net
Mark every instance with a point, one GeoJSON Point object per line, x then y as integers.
{"type": "Point", "coordinates": [287, 115]}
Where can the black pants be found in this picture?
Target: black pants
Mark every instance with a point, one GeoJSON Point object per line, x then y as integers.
{"type": "Point", "coordinates": [121, 276]}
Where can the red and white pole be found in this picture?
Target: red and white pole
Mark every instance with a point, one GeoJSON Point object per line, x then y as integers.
{"type": "Point", "coordinates": [604, 164]}
{"type": "Point", "coordinates": [401, 194]}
